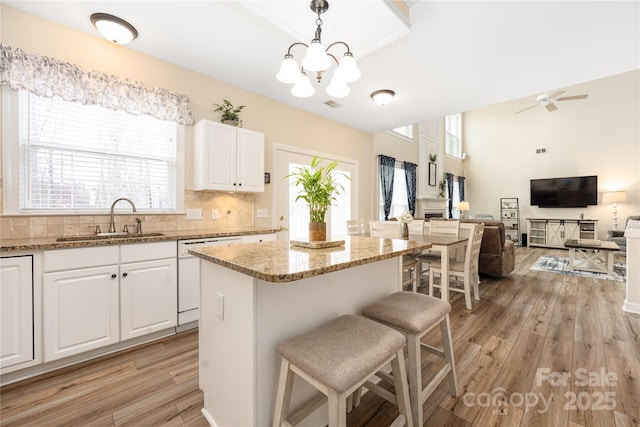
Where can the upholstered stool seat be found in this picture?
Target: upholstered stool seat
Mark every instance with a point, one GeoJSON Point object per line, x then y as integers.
{"type": "Point", "coordinates": [337, 358]}
{"type": "Point", "coordinates": [414, 314]}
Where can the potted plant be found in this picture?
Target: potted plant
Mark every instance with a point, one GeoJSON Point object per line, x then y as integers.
{"type": "Point", "coordinates": [228, 113]}
{"type": "Point", "coordinates": [319, 189]}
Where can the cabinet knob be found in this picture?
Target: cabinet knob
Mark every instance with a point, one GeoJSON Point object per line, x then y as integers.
{"type": "Point", "coordinates": [113, 276]}
{"type": "Point", "coordinates": [240, 185]}
{"type": "Point", "coordinates": [125, 274]}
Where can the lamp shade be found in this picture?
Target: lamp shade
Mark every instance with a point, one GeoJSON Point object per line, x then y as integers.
{"type": "Point", "coordinates": [463, 206]}
{"type": "Point", "coordinates": [316, 58]}
{"type": "Point", "coordinates": [614, 197]}
{"type": "Point", "coordinates": [338, 88]}
{"type": "Point", "coordinates": [302, 88]}
{"type": "Point", "coordinates": [347, 69]}
{"type": "Point", "coordinates": [288, 70]}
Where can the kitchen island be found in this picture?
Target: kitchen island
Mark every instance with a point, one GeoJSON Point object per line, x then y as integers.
{"type": "Point", "coordinates": [256, 295]}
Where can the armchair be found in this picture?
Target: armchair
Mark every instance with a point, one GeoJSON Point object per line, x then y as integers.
{"type": "Point", "coordinates": [617, 236]}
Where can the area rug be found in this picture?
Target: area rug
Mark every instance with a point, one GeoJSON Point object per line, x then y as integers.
{"type": "Point", "coordinates": [556, 264]}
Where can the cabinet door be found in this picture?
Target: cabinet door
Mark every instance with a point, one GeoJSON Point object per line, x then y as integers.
{"type": "Point", "coordinates": [555, 233]}
{"type": "Point", "coordinates": [571, 231]}
{"type": "Point", "coordinates": [16, 310]}
{"type": "Point", "coordinates": [81, 311]}
{"type": "Point", "coordinates": [250, 161]}
{"type": "Point", "coordinates": [148, 297]}
{"type": "Point", "coordinates": [215, 153]}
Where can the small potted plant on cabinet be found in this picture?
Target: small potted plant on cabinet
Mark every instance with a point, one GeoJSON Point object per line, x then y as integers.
{"type": "Point", "coordinates": [319, 190]}
{"type": "Point", "coordinates": [228, 113]}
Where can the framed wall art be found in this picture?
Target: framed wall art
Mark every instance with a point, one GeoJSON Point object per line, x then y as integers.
{"type": "Point", "coordinates": [432, 174]}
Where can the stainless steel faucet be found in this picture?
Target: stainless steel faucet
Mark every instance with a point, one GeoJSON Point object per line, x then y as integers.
{"type": "Point", "coordinates": [112, 223]}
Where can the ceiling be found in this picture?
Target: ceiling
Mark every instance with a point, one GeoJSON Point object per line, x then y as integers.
{"type": "Point", "coordinates": [456, 56]}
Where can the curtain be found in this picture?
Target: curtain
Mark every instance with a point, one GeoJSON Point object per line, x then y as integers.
{"type": "Point", "coordinates": [410, 178]}
{"type": "Point", "coordinates": [449, 177]}
{"type": "Point", "coordinates": [49, 77]}
{"type": "Point", "coordinates": [387, 169]}
{"type": "Point", "coordinates": [461, 187]}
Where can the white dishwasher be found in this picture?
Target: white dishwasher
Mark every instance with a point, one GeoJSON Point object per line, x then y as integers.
{"type": "Point", "coordinates": [189, 278]}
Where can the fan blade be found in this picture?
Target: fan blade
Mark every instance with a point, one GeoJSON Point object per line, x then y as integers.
{"type": "Point", "coordinates": [569, 98]}
{"type": "Point", "coordinates": [556, 94]}
{"type": "Point", "coordinates": [551, 107]}
{"type": "Point", "coordinates": [528, 108]}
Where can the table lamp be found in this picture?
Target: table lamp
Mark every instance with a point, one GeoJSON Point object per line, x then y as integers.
{"type": "Point", "coordinates": [614, 197]}
{"type": "Point", "coordinates": [462, 207]}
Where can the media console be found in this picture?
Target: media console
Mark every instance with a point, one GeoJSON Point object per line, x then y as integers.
{"type": "Point", "coordinates": [552, 232]}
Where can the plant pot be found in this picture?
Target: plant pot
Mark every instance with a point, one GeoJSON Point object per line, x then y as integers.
{"type": "Point", "coordinates": [230, 122]}
{"type": "Point", "coordinates": [317, 231]}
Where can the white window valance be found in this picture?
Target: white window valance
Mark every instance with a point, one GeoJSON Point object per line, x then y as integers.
{"type": "Point", "coordinates": [49, 77]}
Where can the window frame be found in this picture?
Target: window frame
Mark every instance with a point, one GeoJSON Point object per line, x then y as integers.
{"type": "Point", "coordinates": [458, 138]}
{"type": "Point", "coordinates": [11, 167]}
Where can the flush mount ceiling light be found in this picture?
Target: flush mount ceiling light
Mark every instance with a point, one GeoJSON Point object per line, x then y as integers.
{"type": "Point", "coordinates": [114, 29]}
{"type": "Point", "coordinates": [318, 60]}
{"type": "Point", "coordinates": [383, 96]}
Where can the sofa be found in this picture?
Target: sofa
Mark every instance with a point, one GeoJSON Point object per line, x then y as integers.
{"type": "Point", "coordinates": [618, 235]}
{"type": "Point", "coordinates": [497, 254]}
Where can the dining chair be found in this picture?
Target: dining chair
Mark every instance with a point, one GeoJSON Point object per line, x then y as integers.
{"type": "Point", "coordinates": [355, 227]}
{"type": "Point", "coordinates": [464, 272]}
{"type": "Point", "coordinates": [393, 230]}
{"type": "Point", "coordinates": [450, 227]}
{"type": "Point", "coordinates": [435, 227]}
{"type": "Point", "coordinates": [416, 226]}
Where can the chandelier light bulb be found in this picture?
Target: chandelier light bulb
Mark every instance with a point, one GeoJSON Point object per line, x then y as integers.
{"type": "Point", "coordinates": [316, 58]}
{"type": "Point", "coordinates": [288, 70]}
{"type": "Point", "coordinates": [302, 88]}
{"type": "Point", "coordinates": [348, 69]}
{"type": "Point", "coordinates": [338, 88]}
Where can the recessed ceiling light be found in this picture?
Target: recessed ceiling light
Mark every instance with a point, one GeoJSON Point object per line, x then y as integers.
{"type": "Point", "coordinates": [383, 97]}
{"type": "Point", "coordinates": [114, 29]}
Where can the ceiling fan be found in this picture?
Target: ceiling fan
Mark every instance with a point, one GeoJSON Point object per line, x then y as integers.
{"type": "Point", "coordinates": [548, 100]}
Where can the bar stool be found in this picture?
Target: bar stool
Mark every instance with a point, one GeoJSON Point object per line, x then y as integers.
{"type": "Point", "coordinates": [415, 314]}
{"type": "Point", "coordinates": [337, 358]}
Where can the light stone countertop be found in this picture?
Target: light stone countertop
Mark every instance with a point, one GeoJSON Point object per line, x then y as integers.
{"type": "Point", "coordinates": [15, 245]}
{"type": "Point", "coordinates": [278, 262]}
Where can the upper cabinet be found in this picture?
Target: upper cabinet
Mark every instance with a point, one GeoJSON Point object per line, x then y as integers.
{"type": "Point", "coordinates": [227, 158]}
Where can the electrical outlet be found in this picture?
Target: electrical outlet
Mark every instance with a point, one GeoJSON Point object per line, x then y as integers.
{"type": "Point", "coordinates": [220, 306]}
{"type": "Point", "coordinates": [194, 213]}
{"type": "Point", "coordinates": [214, 214]}
{"type": "Point", "coordinates": [263, 213]}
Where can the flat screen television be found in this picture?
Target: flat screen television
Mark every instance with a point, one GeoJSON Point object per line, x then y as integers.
{"type": "Point", "coordinates": [570, 192]}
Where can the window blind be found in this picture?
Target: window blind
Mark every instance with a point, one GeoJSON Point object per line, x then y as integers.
{"type": "Point", "coordinates": [75, 156]}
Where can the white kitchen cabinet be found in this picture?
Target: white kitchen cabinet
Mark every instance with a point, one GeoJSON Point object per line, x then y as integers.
{"type": "Point", "coordinates": [16, 311]}
{"type": "Point", "coordinates": [227, 158]}
{"type": "Point", "coordinates": [81, 310]}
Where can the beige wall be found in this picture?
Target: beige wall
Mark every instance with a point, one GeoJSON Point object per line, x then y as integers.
{"type": "Point", "coordinates": [280, 123]}
{"type": "Point", "coordinates": [597, 136]}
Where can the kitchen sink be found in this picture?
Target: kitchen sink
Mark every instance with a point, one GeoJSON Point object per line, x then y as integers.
{"type": "Point", "coordinates": [106, 236]}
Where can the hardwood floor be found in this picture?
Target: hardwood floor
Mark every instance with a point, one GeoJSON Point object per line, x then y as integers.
{"type": "Point", "coordinates": [536, 350]}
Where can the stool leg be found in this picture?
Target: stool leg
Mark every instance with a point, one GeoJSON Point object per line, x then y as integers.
{"type": "Point", "coordinates": [337, 409]}
{"type": "Point", "coordinates": [402, 392]}
{"type": "Point", "coordinates": [283, 394]}
{"type": "Point", "coordinates": [447, 344]}
{"type": "Point", "coordinates": [414, 369]}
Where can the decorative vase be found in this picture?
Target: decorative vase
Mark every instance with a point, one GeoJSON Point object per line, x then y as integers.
{"type": "Point", "coordinates": [317, 231]}
{"type": "Point", "coordinates": [405, 230]}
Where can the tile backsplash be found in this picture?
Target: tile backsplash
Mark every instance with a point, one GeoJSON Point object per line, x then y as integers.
{"type": "Point", "coordinates": [234, 210]}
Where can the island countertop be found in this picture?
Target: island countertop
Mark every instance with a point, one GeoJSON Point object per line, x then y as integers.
{"type": "Point", "coordinates": [279, 262]}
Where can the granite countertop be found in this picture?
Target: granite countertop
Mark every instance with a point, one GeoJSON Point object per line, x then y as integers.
{"type": "Point", "coordinates": [278, 262]}
{"type": "Point", "coordinates": [14, 245]}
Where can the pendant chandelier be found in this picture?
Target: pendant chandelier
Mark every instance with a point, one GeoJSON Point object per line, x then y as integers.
{"type": "Point", "coordinates": [318, 60]}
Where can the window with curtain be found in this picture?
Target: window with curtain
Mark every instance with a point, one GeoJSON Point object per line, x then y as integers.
{"type": "Point", "coordinates": [399, 201]}
{"type": "Point", "coordinates": [453, 135]}
{"type": "Point", "coordinates": [82, 157]}
{"type": "Point", "coordinates": [82, 138]}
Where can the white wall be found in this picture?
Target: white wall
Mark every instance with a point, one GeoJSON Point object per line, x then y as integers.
{"type": "Point", "coordinates": [597, 136]}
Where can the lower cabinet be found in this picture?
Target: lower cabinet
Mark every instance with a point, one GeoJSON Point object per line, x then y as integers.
{"type": "Point", "coordinates": [81, 311]}
{"type": "Point", "coordinates": [94, 297]}
{"type": "Point", "coordinates": [148, 297]}
{"type": "Point", "coordinates": [16, 310]}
